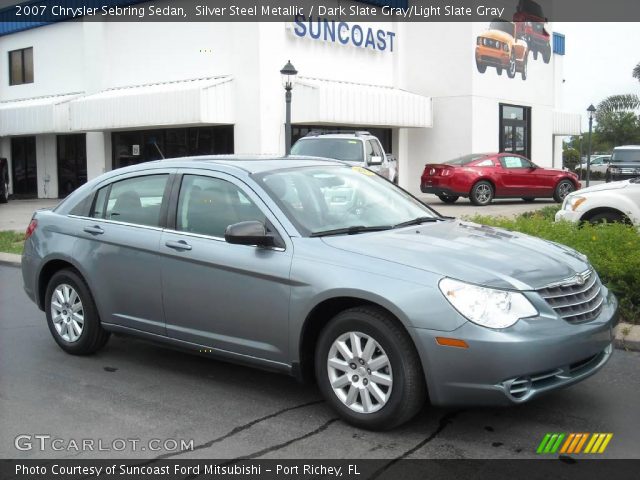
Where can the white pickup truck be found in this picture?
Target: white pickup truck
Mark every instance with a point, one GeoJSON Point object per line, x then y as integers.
{"type": "Point", "coordinates": [359, 148]}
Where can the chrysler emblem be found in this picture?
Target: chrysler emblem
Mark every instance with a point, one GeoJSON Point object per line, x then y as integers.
{"type": "Point", "coordinates": [579, 279]}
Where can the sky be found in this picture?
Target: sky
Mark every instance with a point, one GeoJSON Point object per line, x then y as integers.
{"type": "Point", "coordinates": [598, 62]}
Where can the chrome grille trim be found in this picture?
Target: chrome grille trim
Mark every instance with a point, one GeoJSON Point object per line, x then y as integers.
{"type": "Point", "coordinates": [573, 301]}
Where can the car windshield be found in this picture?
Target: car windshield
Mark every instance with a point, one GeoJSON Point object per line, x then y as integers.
{"type": "Point", "coordinates": [329, 199]}
{"type": "Point", "coordinates": [345, 149]}
{"type": "Point", "coordinates": [506, 27]}
{"type": "Point", "coordinates": [630, 155]}
{"type": "Point", "coordinates": [466, 159]}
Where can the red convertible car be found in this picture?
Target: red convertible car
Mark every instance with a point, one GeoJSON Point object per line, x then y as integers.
{"type": "Point", "coordinates": [485, 176]}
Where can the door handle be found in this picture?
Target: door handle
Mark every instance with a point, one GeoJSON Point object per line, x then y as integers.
{"type": "Point", "coordinates": [94, 230]}
{"type": "Point", "coordinates": [179, 245]}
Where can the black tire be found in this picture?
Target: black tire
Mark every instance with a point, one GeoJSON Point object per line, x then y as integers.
{"type": "Point", "coordinates": [535, 54]}
{"type": "Point", "coordinates": [481, 193]}
{"type": "Point", "coordinates": [609, 217]}
{"type": "Point", "coordinates": [93, 337]}
{"type": "Point", "coordinates": [563, 188]}
{"type": "Point", "coordinates": [546, 54]}
{"type": "Point", "coordinates": [408, 392]}
{"type": "Point", "coordinates": [511, 69]}
{"type": "Point", "coordinates": [528, 199]}
{"type": "Point", "coordinates": [481, 67]}
{"type": "Point", "coordinates": [448, 198]}
{"type": "Point", "coordinates": [525, 66]}
{"type": "Point", "coordinates": [499, 70]}
{"type": "Point", "coordinates": [4, 193]}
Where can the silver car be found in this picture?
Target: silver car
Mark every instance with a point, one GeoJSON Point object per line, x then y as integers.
{"type": "Point", "coordinates": [318, 269]}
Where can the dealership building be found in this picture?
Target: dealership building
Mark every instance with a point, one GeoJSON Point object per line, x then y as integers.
{"type": "Point", "coordinates": [78, 98]}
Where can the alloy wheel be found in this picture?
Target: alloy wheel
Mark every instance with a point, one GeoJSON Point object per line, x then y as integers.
{"type": "Point", "coordinates": [483, 193]}
{"type": "Point", "coordinates": [564, 189]}
{"type": "Point", "coordinates": [360, 372]}
{"type": "Point", "coordinates": [67, 313]}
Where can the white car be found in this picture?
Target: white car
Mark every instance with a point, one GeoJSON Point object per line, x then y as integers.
{"type": "Point", "coordinates": [599, 164]}
{"type": "Point", "coordinates": [607, 202]}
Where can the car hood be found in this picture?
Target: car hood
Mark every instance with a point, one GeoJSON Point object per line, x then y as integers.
{"type": "Point", "coordinates": [470, 252]}
{"type": "Point", "coordinates": [602, 186]}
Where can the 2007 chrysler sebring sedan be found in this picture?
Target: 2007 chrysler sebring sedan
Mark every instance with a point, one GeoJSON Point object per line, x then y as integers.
{"type": "Point", "coordinates": [317, 268]}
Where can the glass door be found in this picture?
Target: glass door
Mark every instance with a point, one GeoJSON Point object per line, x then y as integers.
{"type": "Point", "coordinates": [72, 163]}
{"type": "Point", "coordinates": [24, 167]}
{"type": "Point", "coordinates": [515, 130]}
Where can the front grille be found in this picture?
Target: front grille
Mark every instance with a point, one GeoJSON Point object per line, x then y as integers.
{"type": "Point", "coordinates": [573, 301]}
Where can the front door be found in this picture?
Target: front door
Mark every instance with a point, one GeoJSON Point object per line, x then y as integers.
{"type": "Point", "coordinates": [234, 298]}
{"type": "Point", "coordinates": [515, 130]}
{"type": "Point", "coordinates": [24, 167]}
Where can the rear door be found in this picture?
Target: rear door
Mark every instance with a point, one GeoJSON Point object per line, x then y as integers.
{"type": "Point", "coordinates": [234, 298]}
{"type": "Point", "coordinates": [119, 245]}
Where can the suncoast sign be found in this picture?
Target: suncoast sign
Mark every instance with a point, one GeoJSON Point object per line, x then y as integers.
{"type": "Point", "coordinates": [344, 33]}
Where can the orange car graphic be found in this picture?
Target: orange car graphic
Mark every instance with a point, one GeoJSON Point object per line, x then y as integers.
{"type": "Point", "coordinates": [498, 47]}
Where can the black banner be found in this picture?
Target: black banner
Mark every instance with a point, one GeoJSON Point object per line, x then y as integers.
{"type": "Point", "coordinates": [331, 10]}
{"type": "Point", "coordinates": [392, 469]}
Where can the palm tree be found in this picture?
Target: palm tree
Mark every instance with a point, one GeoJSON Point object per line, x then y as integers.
{"type": "Point", "coordinates": [636, 72]}
{"type": "Point", "coordinates": [618, 103]}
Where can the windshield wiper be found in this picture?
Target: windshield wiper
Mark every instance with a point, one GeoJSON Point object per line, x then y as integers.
{"type": "Point", "coordinates": [351, 230]}
{"type": "Point", "coordinates": [417, 221]}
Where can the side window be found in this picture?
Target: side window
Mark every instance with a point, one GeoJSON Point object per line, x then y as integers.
{"type": "Point", "coordinates": [208, 205]}
{"type": "Point", "coordinates": [512, 162]}
{"type": "Point", "coordinates": [372, 152]}
{"type": "Point", "coordinates": [134, 200]}
{"type": "Point", "coordinates": [485, 163]}
{"type": "Point", "coordinates": [98, 205]}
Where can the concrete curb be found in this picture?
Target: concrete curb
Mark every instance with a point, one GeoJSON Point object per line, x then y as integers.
{"type": "Point", "coordinates": [10, 259]}
{"type": "Point", "coordinates": [627, 335]}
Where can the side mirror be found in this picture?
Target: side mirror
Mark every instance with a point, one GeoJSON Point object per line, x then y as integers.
{"type": "Point", "coordinates": [249, 233]}
{"type": "Point", "coordinates": [376, 160]}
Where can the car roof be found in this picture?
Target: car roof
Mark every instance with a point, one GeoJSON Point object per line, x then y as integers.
{"type": "Point", "coordinates": [248, 163]}
{"type": "Point", "coordinates": [350, 136]}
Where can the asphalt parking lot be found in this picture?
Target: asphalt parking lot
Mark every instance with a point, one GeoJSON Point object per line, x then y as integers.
{"type": "Point", "coordinates": [138, 390]}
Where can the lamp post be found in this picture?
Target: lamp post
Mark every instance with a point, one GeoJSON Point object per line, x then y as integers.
{"type": "Point", "coordinates": [592, 112]}
{"type": "Point", "coordinates": [288, 73]}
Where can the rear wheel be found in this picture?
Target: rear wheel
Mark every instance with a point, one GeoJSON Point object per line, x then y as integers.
{"type": "Point", "coordinates": [564, 188]}
{"type": "Point", "coordinates": [72, 315]}
{"type": "Point", "coordinates": [448, 198]}
{"type": "Point", "coordinates": [499, 70]}
{"type": "Point", "coordinates": [535, 54]}
{"type": "Point", "coordinates": [368, 369]}
{"type": "Point", "coordinates": [546, 54]}
{"type": "Point", "coordinates": [481, 193]}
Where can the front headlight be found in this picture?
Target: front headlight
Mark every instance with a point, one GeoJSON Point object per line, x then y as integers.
{"type": "Point", "coordinates": [572, 202]}
{"type": "Point", "coordinates": [487, 306]}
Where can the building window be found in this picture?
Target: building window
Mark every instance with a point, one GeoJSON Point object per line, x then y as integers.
{"type": "Point", "coordinates": [558, 43]}
{"type": "Point", "coordinates": [139, 146]}
{"type": "Point", "coordinates": [21, 66]}
{"type": "Point", "coordinates": [515, 129]}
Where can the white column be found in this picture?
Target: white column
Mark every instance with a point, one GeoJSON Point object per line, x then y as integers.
{"type": "Point", "coordinates": [98, 145]}
{"type": "Point", "coordinates": [47, 166]}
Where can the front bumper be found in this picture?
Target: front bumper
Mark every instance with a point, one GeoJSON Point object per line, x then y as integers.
{"type": "Point", "coordinates": [516, 364]}
{"type": "Point", "coordinates": [568, 216]}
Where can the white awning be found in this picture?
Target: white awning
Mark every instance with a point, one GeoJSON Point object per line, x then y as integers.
{"type": "Point", "coordinates": [565, 123]}
{"type": "Point", "coordinates": [36, 115]}
{"type": "Point", "coordinates": [186, 102]}
{"type": "Point", "coordinates": [318, 101]}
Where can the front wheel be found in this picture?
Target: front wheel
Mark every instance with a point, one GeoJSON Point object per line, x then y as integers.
{"type": "Point", "coordinates": [546, 54]}
{"type": "Point", "coordinates": [368, 369]}
{"type": "Point", "coordinates": [511, 68]}
{"type": "Point", "coordinates": [72, 315]}
{"type": "Point", "coordinates": [481, 67]}
{"type": "Point", "coordinates": [448, 198]}
{"type": "Point", "coordinates": [564, 188]}
{"type": "Point", "coordinates": [481, 193]}
{"type": "Point", "coordinates": [609, 217]}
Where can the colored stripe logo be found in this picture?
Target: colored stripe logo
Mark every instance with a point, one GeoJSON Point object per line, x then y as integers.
{"type": "Point", "coordinates": [573, 443]}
